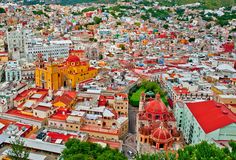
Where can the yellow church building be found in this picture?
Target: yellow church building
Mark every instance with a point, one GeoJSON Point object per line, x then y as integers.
{"type": "Point", "coordinates": [54, 76]}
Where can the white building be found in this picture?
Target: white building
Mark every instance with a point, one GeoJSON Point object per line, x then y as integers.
{"type": "Point", "coordinates": [54, 51]}
{"type": "Point", "coordinates": [16, 41]}
{"type": "Point", "coordinates": [13, 71]}
{"type": "Point", "coordinates": [22, 44]}
{"type": "Point", "coordinates": [205, 120]}
{"type": "Point", "coordinates": [8, 91]}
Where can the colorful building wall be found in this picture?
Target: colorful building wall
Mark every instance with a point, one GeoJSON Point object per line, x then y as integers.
{"type": "Point", "coordinates": [55, 76]}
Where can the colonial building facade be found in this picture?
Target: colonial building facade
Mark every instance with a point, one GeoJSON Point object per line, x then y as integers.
{"type": "Point", "coordinates": [54, 76]}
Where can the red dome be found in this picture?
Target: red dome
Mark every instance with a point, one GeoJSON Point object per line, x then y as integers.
{"type": "Point", "coordinates": [156, 107]}
{"type": "Point", "coordinates": [161, 134]}
{"type": "Point", "coordinates": [73, 58]}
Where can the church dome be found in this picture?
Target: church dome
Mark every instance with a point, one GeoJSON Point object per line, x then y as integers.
{"type": "Point", "coordinates": [73, 58]}
{"type": "Point", "coordinates": [156, 107]}
{"type": "Point", "coordinates": [161, 134]}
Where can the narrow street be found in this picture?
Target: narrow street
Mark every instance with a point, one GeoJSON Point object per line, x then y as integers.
{"type": "Point", "coordinates": [132, 119]}
{"type": "Point", "coordinates": [130, 140]}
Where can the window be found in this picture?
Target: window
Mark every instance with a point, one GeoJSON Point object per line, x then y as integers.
{"type": "Point", "coordinates": [161, 146]}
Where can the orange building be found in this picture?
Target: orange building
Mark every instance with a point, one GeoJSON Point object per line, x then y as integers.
{"type": "Point", "coordinates": [3, 56]}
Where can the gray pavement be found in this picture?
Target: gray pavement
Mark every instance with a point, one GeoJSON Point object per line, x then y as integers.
{"type": "Point", "coordinates": [132, 119]}
{"type": "Point", "coordinates": [130, 139]}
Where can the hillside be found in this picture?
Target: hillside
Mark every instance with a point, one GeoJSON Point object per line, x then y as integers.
{"type": "Point", "coordinates": [206, 4]}
{"type": "Point", "coordinates": [67, 2]}
{"type": "Point", "coordinates": [211, 4]}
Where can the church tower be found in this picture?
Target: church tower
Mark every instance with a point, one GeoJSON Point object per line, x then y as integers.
{"type": "Point", "coordinates": [142, 101]}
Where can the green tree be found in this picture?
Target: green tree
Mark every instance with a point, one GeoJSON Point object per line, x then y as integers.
{"type": "Point", "coordinates": [191, 39]}
{"type": "Point", "coordinates": [76, 150]}
{"type": "Point", "coordinates": [122, 47]}
{"type": "Point", "coordinates": [201, 151]}
{"type": "Point", "coordinates": [118, 23]}
{"type": "Point", "coordinates": [157, 156]}
{"type": "Point", "coordinates": [2, 10]}
{"type": "Point", "coordinates": [150, 86]}
{"type": "Point", "coordinates": [166, 26]}
{"type": "Point", "coordinates": [18, 152]}
{"type": "Point", "coordinates": [100, 56]}
{"type": "Point", "coordinates": [110, 154]}
{"type": "Point", "coordinates": [204, 151]}
{"type": "Point", "coordinates": [97, 20]}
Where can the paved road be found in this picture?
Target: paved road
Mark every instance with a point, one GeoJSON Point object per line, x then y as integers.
{"type": "Point", "coordinates": [132, 119]}
{"type": "Point", "coordinates": [130, 145]}
{"type": "Point", "coordinates": [130, 139]}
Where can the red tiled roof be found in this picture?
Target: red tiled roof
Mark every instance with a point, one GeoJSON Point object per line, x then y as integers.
{"type": "Point", "coordinates": [210, 115]}
{"type": "Point", "coordinates": [180, 90]}
{"type": "Point", "coordinates": [228, 47]}
{"type": "Point", "coordinates": [72, 94]}
{"type": "Point", "coordinates": [60, 115]}
{"type": "Point", "coordinates": [22, 95]}
{"type": "Point", "coordinates": [20, 125]}
{"type": "Point", "coordinates": [123, 95]}
{"type": "Point", "coordinates": [151, 61]}
{"type": "Point", "coordinates": [66, 98]}
{"type": "Point", "coordinates": [25, 93]}
{"type": "Point", "coordinates": [20, 115]}
{"type": "Point", "coordinates": [103, 100]}
{"type": "Point", "coordinates": [6, 123]}
{"type": "Point", "coordinates": [54, 136]}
